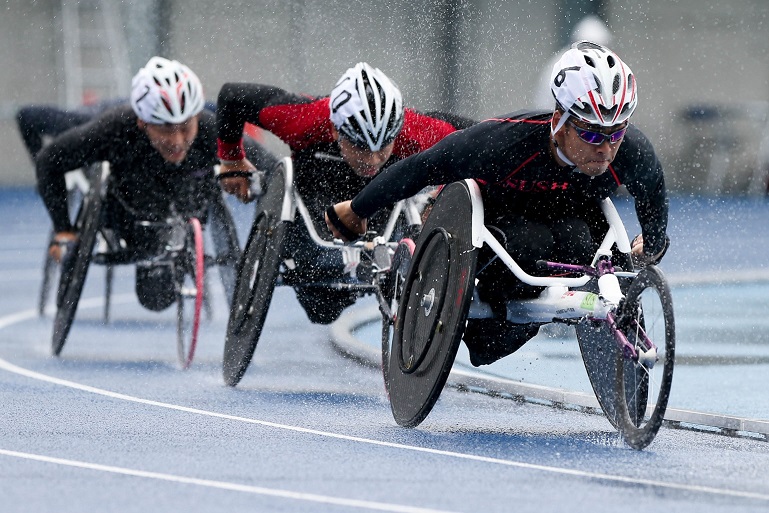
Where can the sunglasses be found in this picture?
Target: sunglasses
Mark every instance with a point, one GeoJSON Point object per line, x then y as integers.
{"type": "Point", "coordinates": [597, 138]}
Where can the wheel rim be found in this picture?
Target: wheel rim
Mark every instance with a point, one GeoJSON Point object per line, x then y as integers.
{"type": "Point", "coordinates": [192, 289]}
{"type": "Point", "coordinates": [645, 380]}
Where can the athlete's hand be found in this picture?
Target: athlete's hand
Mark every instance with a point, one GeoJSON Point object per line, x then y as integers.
{"type": "Point", "coordinates": [639, 256]}
{"type": "Point", "coordinates": [60, 243]}
{"type": "Point", "coordinates": [352, 226]}
{"type": "Point", "coordinates": [238, 184]}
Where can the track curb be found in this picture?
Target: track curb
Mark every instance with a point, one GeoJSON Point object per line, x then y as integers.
{"type": "Point", "coordinates": [343, 339]}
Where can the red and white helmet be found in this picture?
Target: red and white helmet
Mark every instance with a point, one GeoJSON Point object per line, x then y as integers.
{"type": "Point", "coordinates": [367, 107]}
{"type": "Point", "coordinates": [166, 91]}
{"type": "Point", "coordinates": [591, 83]}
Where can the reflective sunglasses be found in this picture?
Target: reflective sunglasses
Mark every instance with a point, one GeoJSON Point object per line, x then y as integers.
{"type": "Point", "coordinates": [597, 138]}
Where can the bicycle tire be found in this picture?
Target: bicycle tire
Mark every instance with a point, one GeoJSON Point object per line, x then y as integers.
{"type": "Point", "coordinates": [73, 271]}
{"type": "Point", "coordinates": [647, 307]}
{"type": "Point", "coordinates": [190, 289]}
{"type": "Point", "coordinates": [50, 270]}
{"type": "Point", "coordinates": [391, 293]}
{"type": "Point", "coordinates": [258, 272]}
{"type": "Point", "coordinates": [432, 313]}
{"type": "Point", "coordinates": [226, 246]}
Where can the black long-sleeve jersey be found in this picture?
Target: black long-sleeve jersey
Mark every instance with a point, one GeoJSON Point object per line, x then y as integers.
{"type": "Point", "coordinates": [322, 176]}
{"type": "Point", "coordinates": [143, 184]}
{"type": "Point", "coordinates": [510, 157]}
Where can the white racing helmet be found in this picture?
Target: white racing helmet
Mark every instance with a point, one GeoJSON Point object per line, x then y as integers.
{"type": "Point", "coordinates": [166, 91]}
{"type": "Point", "coordinates": [367, 107]}
{"type": "Point", "coordinates": [591, 83]}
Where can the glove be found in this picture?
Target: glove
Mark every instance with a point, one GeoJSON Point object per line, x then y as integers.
{"type": "Point", "coordinates": [258, 184]}
{"type": "Point", "coordinates": [642, 259]}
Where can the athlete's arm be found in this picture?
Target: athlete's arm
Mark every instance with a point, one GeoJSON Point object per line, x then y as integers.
{"type": "Point", "coordinates": [75, 148]}
{"type": "Point", "coordinates": [646, 183]}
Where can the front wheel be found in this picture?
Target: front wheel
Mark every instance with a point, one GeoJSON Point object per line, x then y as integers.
{"type": "Point", "coordinates": [643, 380]}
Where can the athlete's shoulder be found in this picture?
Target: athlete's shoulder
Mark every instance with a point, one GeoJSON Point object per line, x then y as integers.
{"type": "Point", "coordinates": [300, 124]}
{"type": "Point", "coordinates": [635, 144]}
{"type": "Point", "coordinates": [531, 118]}
{"type": "Point", "coordinates": [422, 131]}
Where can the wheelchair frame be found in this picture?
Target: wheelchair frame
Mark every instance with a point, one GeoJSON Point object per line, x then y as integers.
{"type": "Point", "coordinates": [613, 319]}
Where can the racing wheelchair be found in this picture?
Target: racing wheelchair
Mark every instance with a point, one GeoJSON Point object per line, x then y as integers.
{"type": "Point", "coordinates": [266, 263]}
{"type": "Point", "coordinates": [181, 252]}
{"type": "Point", "coordinates": [624, 319]}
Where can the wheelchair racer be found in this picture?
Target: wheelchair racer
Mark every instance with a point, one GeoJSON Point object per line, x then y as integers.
{"type": "Point", "coordinates": [542, 176]}
{"type": "Point", "coordinates": [338, 144]}
{"type": "Point", "coordinates": [162, 152]}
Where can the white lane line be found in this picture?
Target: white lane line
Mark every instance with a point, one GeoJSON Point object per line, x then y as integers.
{"type": "Point", "coordinates": [472, 457]}
{"type": "Point", "coordinates": [8, 320]}
{"type": "Point", "coordinates": [259, 490]}
{"type": "Point", "coordinates": [509, 463]}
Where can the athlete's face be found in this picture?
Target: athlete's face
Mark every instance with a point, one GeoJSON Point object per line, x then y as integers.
{"type": "Point", "coordinates": [172, 141]}
{"type": "Point", "coordinates": [590, 159]}
{"type": "Point", "coordinates": [363, 162]}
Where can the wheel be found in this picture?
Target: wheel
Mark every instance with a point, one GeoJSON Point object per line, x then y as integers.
{"type": "Point", "coordinates": [391, 292]}
{"type": "Point", "coordinates": [189, 294]}
{"type": "Point", "coordinates": [50, 270]}
{"type": "Point", "coordinates": [598, 346]}
{"type": "Point", "coordinates": [257, 277]}
{"type": "Point", "coordinates": [433, 308]}
{"type": "Point", "coordinates": [643, 382]}
{"type": "Point", "coordinates": [74, 267]}
{"type": "Point", "coordinates": [109, 274]}
{"type": "Point", "coordinates": [50, 266]}
{"type": "Point", "coordinates": [226, 246]}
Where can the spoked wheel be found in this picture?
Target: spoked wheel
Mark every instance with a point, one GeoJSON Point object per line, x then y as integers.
{"type": "Point", "coordinates": [50, 271]}
{"type": "Point", "coordinates": [74, 266]}
{"type": "Point", "coordinates": [646, 319]}
{"type": "Point", "coordinates": [392, 292]}
{"type": "Point", "coordinates": [50, 266]}
{"type": "Point", "coordinates": [189, 295]}
{"type": "Point", "coordinates": [226, 246]}
{"type": "Point", "coordinates": [433, 308]}
{"type": "Point", "coordinates": [257, 277]}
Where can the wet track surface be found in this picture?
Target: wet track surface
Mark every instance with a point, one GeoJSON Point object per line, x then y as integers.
{"type": "Point", "coordinates": [114, 425]}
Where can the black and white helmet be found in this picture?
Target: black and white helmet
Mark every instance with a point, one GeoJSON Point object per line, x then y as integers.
{"type": "Point", "coordinates": [367, 107]}
{"type": "Point", "coordinates": [166, 91]}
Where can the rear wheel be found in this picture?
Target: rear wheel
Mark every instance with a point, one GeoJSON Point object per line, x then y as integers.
{"type": "Point", "coordinates": [392, 291]}
{"type": "Point", "coordinates": [189, 295]}
{"type": "Point", "coordinates": [644, 380]}
{"type": "Point", "coordinates": [74, 266]}
{"type": "Point", "coordinates": [50, 271]}
{"type": "Point", "coordinates": [226, 246]}
{"type": "Point", "coordinates": [433, 308]}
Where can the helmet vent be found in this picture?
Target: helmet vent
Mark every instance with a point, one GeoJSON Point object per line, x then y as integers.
{"type": "Point", "coordinates": [615, 84]}
{"type": "Point", "coordinates": [610, 61]}
{"type": "Point", "coordinates": [589, 61]}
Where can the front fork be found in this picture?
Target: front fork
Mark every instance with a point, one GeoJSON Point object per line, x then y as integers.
{"type": "Point", "coordinates": [643, 350]}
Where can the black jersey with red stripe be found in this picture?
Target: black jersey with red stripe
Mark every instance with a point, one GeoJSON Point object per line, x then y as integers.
{"type": "Point", "coordinates": [322, 176]}
{"type": "Point", "coordinates": [511, 159]}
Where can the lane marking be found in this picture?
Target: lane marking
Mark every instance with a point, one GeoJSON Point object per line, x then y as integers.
{"type": "Point", "coordinates": [222, 485]}
{"type": "Point", "coordinates": [4, 364]}
{"type": "Point", "coordinates": [457, 455]}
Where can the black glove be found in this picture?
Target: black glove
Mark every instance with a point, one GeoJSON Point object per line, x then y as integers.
{"type": "Point", "coordinates": [643, 259]}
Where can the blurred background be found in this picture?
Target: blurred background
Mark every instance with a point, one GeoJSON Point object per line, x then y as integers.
{"type": "Point", "coordinates": [702, 66]}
